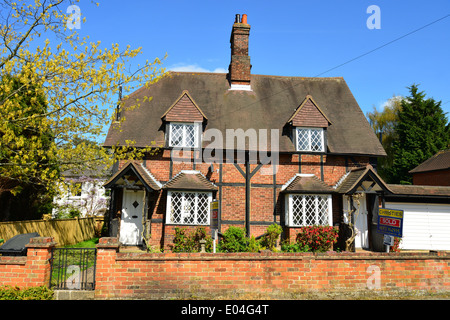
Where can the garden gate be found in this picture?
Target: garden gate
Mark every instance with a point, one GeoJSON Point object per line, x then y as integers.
{"type": "Point", "coordinates": [73, 268]}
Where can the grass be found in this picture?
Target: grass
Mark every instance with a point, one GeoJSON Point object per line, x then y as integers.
{"type": "Point", "coordinates": [91, 243]}
{"type": "Point", "coordinates": [80, 260]}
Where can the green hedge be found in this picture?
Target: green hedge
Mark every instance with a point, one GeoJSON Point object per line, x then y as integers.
{"type": "Point", "coordinates": [33, 293]}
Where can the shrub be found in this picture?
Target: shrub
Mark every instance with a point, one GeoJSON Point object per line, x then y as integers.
{"type": "Point", "coordinates": [269, 241]}
{"type": "Point", "coordinates": [396, 246]}
{"type": "Point", "coordinates": [33, 293]}
{"type": "Point", "coordinates": [185, 241]}
{"type": "Point", "coordinates": [234, 240]}
{"type": "Point", "coordinates": [253, 245]}
{"type": "Point", "coordinates": [294, 247]}
{"type": "Point", "coordinates": [317, 238]}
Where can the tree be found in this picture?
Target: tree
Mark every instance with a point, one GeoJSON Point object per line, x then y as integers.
{"type": "Point", "coordinates": [383, 124]}
{"type": "Point", "coordinates": [421, 130]}
{"type": "Point", "coordinates": [78, 81]}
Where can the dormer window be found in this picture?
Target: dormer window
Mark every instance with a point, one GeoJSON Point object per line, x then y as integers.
{"type": "Point", "coordinates": [309, 125]}
{"type": "Point", "coordinates": [184, 135]}
{"type": "Point", "coordinates": [310, 139]}
{"type": "Point", "coordinates": [184, 121]}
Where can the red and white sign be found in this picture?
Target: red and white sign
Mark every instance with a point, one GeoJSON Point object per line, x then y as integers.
{"type": "Point", "coordinates": [392, 222]}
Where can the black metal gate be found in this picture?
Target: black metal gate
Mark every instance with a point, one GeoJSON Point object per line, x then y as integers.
{"type": "Point", "coordinates": [73, 268]}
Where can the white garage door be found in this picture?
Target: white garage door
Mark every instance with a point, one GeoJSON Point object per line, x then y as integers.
{"type": "Point", "coordinates": [425, 226]}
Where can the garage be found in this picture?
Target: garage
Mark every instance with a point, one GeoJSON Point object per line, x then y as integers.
{"type": "Point", "coordinates": [426, 222]}
{"type": "Point", "coordinates": [426, 226]}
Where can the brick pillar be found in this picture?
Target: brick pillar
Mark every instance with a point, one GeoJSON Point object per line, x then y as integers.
{"type": "Point", "coordinates": [39, 252]}
{"type": "Point", "coordinates": [107, 249]}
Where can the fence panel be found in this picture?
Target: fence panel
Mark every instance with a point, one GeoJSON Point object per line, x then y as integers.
{"type": "Point", "coordinates": [63, 231]}
{"type": "Point", "coordinates": [73, 268]}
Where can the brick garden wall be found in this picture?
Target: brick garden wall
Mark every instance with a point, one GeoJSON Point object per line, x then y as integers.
{"type": "Point", "coordinates": [121, 275]}
{"type": "Point", "coordinates": [176, 275]}
{"type": "Point", "coordinates": [32, 270]}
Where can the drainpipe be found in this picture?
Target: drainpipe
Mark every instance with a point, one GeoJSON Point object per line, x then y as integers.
{"type": "Point", "coordinates": [247, 194]}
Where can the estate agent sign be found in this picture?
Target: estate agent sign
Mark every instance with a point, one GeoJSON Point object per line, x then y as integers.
{"type": "Point", "coordinates": [390, 222]}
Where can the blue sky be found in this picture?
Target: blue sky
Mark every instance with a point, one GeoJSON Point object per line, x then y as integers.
{"type": "Point", "coordinates": [291, 38]}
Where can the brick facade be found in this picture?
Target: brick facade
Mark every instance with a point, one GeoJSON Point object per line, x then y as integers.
{"type": "Point", "coordinates": [266, 201]}
{"type": "Point", "coordinates": [432, 178]}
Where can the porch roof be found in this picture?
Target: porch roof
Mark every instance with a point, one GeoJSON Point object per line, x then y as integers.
{"type": "Point", "coordinates": [133, 167]}
{"type": "Point", "coordinates": [362, 179]}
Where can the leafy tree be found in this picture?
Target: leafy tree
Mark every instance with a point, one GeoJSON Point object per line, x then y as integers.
{"type": "Point", "coordinates": [21, 148]}
{"type": "Point", "coordinates": [421, 131]}
{"type": "Point", "coordinates": [383, 124]}
{"type": "Point", "coordinates": [26, 142]}
{"type": "Point", "coordinates": [56, 94]}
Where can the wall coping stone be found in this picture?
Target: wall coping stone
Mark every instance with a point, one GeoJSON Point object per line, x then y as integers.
{"type": "Point", "coordinates": [128, 256]}
{"type": "Point", "coordinates": [41, 242]}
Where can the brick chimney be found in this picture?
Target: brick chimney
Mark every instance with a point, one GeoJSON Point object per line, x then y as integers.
{"type": "Point", "coordinates": [239, 69]}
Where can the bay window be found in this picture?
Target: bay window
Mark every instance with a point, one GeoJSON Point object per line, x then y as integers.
{"type": "Point", "coordinates": [308, 209]}
{"type": "Point", "coordinates": [188, 207]}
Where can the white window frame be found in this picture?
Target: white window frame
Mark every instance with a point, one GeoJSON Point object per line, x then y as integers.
{"type": "Point", "coordinates": [309, 147]}
{"type": "Point", "coordinates": [197, 138]}
{"type": "Point", "coordinates": [169, 210]}
{"type": "Point", "coordinates": [289, 207]}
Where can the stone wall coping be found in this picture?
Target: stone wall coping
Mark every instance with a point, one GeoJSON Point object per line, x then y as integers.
{"type": "Point", "coordinates": [13, 260]}
{"type": "Point", "coordinates": [41, 242]}
{"type": "Point", "coordinates": [129, 256]}
{"type": "Point", "coordinates": [108, 243]}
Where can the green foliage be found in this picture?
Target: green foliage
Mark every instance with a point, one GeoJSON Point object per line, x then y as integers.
{"type": "Point", "coordinates": [269, 241]}
{"type": "Point", "coordinates": [294, 247]}
{"type": "Point", "coordinates": [234, 240]}
{"type": "Point", "coordinates": [33, 293]}
{"type": "Point", "coordinates": [383, 124]}
{"type": "Point", "coordinates": [185, 241]}
{"type": "Point", "coordinates": [422, 130]}
{"type": "Point", "coordinates": [316, 238]}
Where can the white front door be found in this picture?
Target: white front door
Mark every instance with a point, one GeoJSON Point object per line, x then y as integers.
{"type": "Point", "coordinates": [362, 236]}
{"type": "Point", "coordinates": [361, 223]}
{"type": "Point", "coordinates": [131, 222]}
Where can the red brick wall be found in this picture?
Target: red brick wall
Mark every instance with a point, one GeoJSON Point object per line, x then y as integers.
{"type": "Point", "coordinates": [32, 270]}
{"type": "Point", "coordinates": [432, 178]}
{"type": "Point", "coordinates": [134, 275]}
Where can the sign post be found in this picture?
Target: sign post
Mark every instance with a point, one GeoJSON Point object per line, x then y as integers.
{"type": "Point", "coordinates": [214, 209]}
{"type": "Point", "coordinates": [390, 223]}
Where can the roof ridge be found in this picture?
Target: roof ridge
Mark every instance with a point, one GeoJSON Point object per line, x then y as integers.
{"type": "Point", "coordinates": [259, 75]}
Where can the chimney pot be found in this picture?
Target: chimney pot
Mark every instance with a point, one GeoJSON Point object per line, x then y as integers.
{"type": "Point", "coordinates": [244, 19]}
{"type": "Point", "coordinates": [238, 17]}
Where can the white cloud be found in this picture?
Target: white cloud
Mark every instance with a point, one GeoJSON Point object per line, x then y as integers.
{"type": "Point", "coordinates": [194, 68]}
{"type": "Point", "coordinates": [388, 103]}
